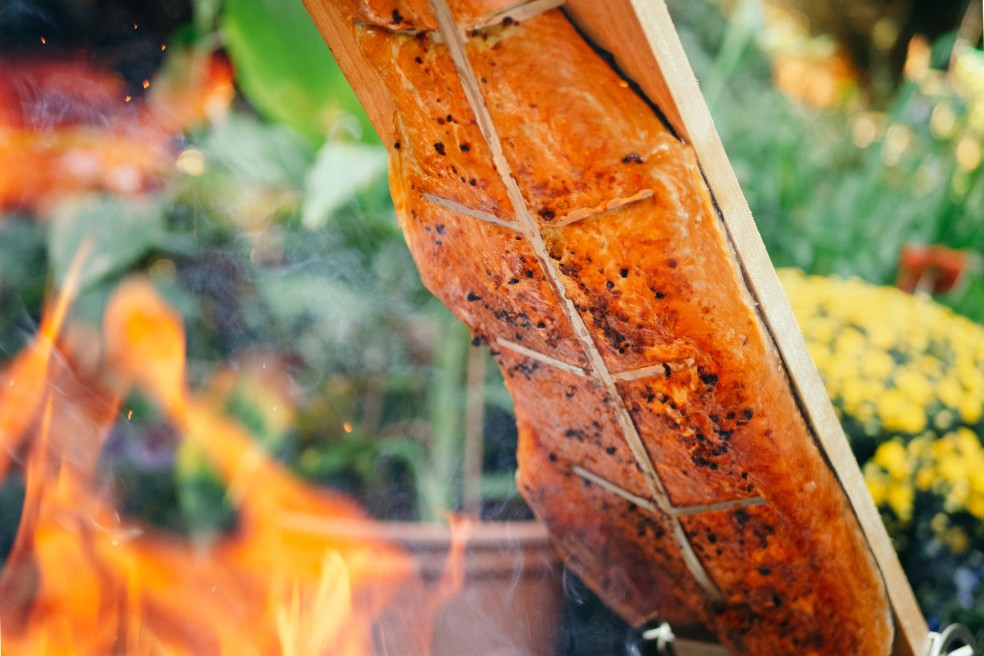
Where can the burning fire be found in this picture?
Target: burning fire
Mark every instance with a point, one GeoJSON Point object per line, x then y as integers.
{"type": "Point", "coordinates": [82, 579]}
{"type": "Point", "coordinates": [67, 126]}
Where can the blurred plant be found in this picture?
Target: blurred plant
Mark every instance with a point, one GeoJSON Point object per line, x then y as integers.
{"type": "Point", "coordinates": [286, 70]}
{"type": "Point", "coordinates": [907, 378]}
{"type": "Point", "coordinates": [279, 246]}
{"type": "Point", "coordinates": [844, 190]}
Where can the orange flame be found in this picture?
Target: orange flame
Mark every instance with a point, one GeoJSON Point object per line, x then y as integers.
{"type": "Point", "coordinates": [81, 579]}
{"type": "Point", "coordinates": [124, 150]}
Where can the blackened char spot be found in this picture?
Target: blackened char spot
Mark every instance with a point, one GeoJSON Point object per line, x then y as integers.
{"type": "Point", "coordinates": [575, 434]}
{"type": "Point", "coordinates": [527, 368]}
{"type": "Point", "coordinates": [439, 147]}
{"type": "Point", "coordinates": [632, 158]}
{"type": "Point", "coordinates": [472, 297]}
{"type": "Point", "coordinates": [649, 525]}
{"type": "Point", "coordinates": [397, 18]}
{"type": "Point", "coordinates": [517, 319]}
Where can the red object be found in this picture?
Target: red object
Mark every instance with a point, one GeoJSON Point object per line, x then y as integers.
{"type": "Point", "coordinates": [934, 269]}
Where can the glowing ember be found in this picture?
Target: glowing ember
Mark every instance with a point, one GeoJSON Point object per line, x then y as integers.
{"type": "Point", "coordinates": [81, 579]}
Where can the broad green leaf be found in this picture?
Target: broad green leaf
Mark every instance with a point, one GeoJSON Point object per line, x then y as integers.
{"type": "Point", "coordinates": [287, 72]}
{"type": "Point", "coordinates": [116, 232]}
{"type": "Point", "coordinates": [341, 171]}
{"type": "Point", "coordinates": [338, 311]}
{"type": "Point", "coordinates": [255, 152]}
{"type": "Point", "coordinates": [22, 258]}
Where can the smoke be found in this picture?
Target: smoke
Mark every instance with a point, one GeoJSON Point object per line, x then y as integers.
{"type": "Point", "coordinates": [24, 22]}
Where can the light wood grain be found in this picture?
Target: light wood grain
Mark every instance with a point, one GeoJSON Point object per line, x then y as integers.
{"type": "Point", "coordinates": [641, 37]}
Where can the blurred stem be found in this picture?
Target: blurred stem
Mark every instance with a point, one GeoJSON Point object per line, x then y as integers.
{"type": "Point", "coordinates": [970, 30]}
{"type": "Point", "coordinates": [474, 423]}
{"type": "Point", "coordinates": [741, 29]}
{"type": "Point", "coordinates": [206, 14]}
{"type": "Point", "coordinates": [438, 485]}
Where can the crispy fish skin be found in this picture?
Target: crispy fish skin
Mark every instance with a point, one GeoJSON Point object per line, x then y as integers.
{"type": "Point", "coordinates": [638, 280]}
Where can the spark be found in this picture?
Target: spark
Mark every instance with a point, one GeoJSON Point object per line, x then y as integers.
{"type": "Point", "coordinates": [128, 99]}
{"type": "Point", "coordinates": [135, 26]}
{"type": "Point", "coordinates": [129, 415]}
{"type": "Point", "coordinates": [43, 40]}
{"type": "Point", "coordinates": [347, 427]}
{"type": "Point", "coordinates": [163, 47]}
{"type": "Point", "coordinates": [146, 84]}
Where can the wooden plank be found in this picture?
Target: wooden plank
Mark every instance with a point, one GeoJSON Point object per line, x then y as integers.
{"type": "Point", "coordinates": [624, 28]}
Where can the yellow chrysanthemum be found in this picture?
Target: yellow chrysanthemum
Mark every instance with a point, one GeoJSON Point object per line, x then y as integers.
{"type": "Point", "coordinates": [902, 367]}
{"type": "Point", "coordinates": [899, 413]}
{"type": "Point", "coordinates": [892, 457]}
{"type": "Point", "coordinates": [900, 497]}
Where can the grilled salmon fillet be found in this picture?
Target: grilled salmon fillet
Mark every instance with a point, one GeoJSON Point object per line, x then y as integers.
{"type": "Point", "coordinates": [550, 208]}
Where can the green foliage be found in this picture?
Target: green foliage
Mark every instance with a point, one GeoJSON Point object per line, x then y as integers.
{"type": "Point", "coordinates": [342, 170]}
{"type": "Point", "coordinates": [111, 233]}
{"type": "Point", "coordinates": [285, 69]}
{"type": "Point", "coordinates": [266, 244]}
{"type": "Point", "coordinates": [23, 272]}
{"type": "Point", "coordinates": [822, 202]}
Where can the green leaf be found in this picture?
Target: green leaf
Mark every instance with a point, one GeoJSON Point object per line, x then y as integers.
{"type": "Point", "coordinates": [287, 72]}
{"type": "Point", "coordinates": [254, 152]}
{"type": "Point", "coordinates": [342, 170]}
{"type": "Point", "coordinates": [337, 311]}
{"type": "Point", "coordinates": [116, 232]}
{"type": "Point", "coordinates": [22, 258]}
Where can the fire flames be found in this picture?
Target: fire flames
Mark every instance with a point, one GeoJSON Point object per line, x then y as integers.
{"type": "Point", "coordinates": [69, 127]}
{"type": "Point", "coordinates": [82, 579]}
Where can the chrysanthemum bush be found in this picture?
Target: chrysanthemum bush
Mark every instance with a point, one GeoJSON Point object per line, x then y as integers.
{"type": "Point", "coordinates": [906, 376]}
